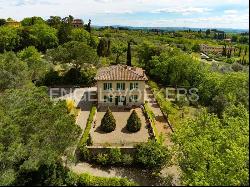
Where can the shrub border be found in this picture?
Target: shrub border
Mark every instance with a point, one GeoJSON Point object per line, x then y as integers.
{"type": "Point", "coordinates": [155, 89]}
{"type": "Point", "coordinates": [150, 116]}
{"type": "Point", "coordinates": [85, 135]}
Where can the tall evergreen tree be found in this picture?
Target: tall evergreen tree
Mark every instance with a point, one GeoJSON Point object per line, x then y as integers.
{"type": "Point", "coordinates": [108, 49]}
{"type": "Point", "coordinates": [129, 54]}
{"type": "Point", "coordinates": [224, 52]}
{"type": "Point", "coordinates": [89, 26]}
{"type": "Point", "coordinates": [101, 47]}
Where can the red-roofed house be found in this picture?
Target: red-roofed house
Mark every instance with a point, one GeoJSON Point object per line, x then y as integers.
{"type": "Point", "coordinates": [120, 85]}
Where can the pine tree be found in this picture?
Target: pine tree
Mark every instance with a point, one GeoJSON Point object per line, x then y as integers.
{"type": "Point", "coordinates": [134, 122]}
{"type": "Point", "coordinates": [108, 123]}
{"type": "Point", "coordinates": [129, 54]}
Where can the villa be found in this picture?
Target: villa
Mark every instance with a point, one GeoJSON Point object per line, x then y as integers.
{"type": "Point", "coordinates": [78, 23]}
{"type": "Point", "coordinates": [215, 49]}
{"type": "Point", "coordinates": [120, 85]}
{"type": "Point", "coordinates": [13, 23]}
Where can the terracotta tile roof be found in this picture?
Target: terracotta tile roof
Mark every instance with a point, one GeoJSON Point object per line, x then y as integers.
{"type": "Point", "coordinates": [77, 21]}
{"type": "Point", "coordinates": [121, 72]}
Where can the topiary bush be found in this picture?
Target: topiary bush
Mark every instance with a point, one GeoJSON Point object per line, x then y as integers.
{"type": "Point", "coordinates": [108, 123]}
{"type": "Point", "coordinates": [134, 122]}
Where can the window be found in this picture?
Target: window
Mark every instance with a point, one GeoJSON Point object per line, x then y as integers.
{"type": "Point", "coordinates": [134, 85]}
{"type": "Point", "coordinates": [108, 99]}
{"type": "Point", "coordinates": [107, 86]}
{"type": "Point", "coordinates": [121, 98]}
{"type": "Point", "coordinates": [120, 86]}
{"type": "Point", "coordinates": [133, 98]}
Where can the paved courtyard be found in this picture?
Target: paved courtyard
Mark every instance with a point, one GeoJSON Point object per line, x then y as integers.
{"type": "Point", "coordinates": [120, 136]}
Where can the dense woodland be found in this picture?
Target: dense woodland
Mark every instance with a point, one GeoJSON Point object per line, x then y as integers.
{"type": "Point", "coordinates": [212, 147]}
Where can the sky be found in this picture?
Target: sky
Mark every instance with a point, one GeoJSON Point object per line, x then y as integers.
{"type": "Point", "coordinates": [143, 13]}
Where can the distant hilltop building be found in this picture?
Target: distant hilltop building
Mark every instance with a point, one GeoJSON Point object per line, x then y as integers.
{"type": "Point", "coordinates": [78, 23]}
{"type": "Point", "coordinates": [13, 23]}
{"type": "Point", "coordinates": [229, 40]}
{"type": "Point", "coordinates": [214, 49]}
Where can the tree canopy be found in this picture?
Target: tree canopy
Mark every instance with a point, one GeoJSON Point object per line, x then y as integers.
{"type": "Point", "coordinates": [75, 53]}
{"type": "Point", "coordinates": [9, 38]}
{"type": "Point", "coordinates": [13, 72]}
{"type": "Point", "coordinates": [213, 151]}
{"type": "Point", "coordinates": [35, 131]}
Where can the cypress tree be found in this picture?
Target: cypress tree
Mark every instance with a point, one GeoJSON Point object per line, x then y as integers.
{"type": "Point", "coordinates": [129, 54]}
{"type": "Point", "coordinates": [239, 52]}
{"type": "Point", "coordinates": [89, 26]}
{"type": "Point", "coordinates": [224, 52]}
{"type": "Point", "coordinates": [108, 49]}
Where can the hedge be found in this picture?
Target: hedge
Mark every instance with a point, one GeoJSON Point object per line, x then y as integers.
{"type": "Point", "coordinates": [167, 108]}
{"type": "Point", "coordinates": [165, 105]}
{"type": "Point", "coordinates": [85, 137]}
{"type": "Point", "coordinates": [151, 117]}
{"type": "Point", "coordinates": [114, 157]}
{"type": "Point", "coordinates": [86, 179]}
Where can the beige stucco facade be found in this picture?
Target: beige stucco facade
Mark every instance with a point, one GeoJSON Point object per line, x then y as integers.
{"type": "Point", "coordinates": [126, 97]}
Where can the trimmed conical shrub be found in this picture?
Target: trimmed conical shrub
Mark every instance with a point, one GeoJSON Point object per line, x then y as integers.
{"type": "Point", "coordinates": [134, 122]}
{"type": "Point", "coordinates": [108, 123]}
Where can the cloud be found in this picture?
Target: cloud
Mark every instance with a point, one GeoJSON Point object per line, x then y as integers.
{"type": "Point", "coordinates": [230, 11]}
{"type": "Point", "coordinates": [103, 1]}
{"type": "Point", "coordinates": [182, 10]}
{"type": "Point", "coordinates": [225, 21]}
{"type": "Point", "coordinates": [31, 2]}
{"type": "Point", "coordinates": [135, 12]}
{"type": "Point", "coordinates": [119, 12]}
